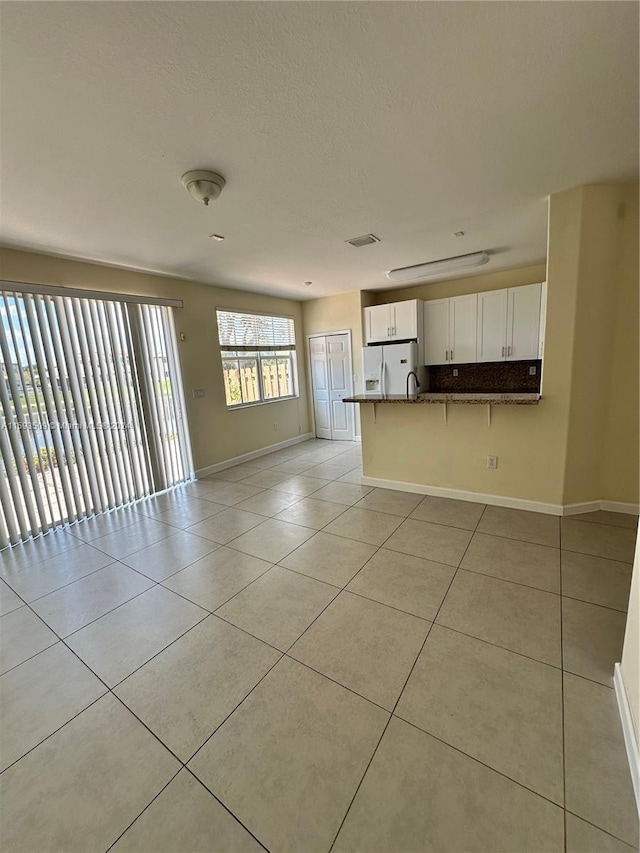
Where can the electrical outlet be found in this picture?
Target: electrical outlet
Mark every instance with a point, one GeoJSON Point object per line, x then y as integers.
{"type": "Point", "coordinates": [198, 393]}
{"type": "Point", "coordinates": [275, 426]}
{"type": "Point", "coordinates": [492, 461]}
{"type": "Point", "coordinates": [455, 371]}
{"type": "Point", "coordinates": [532, 371]}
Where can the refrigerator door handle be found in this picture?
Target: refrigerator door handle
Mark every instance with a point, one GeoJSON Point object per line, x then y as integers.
{"type": "Point", "coordinates": [382, 376]}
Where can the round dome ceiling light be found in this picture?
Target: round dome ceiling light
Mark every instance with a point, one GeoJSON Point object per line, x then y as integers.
{"type": "Point", "coordinates": [204, 186]}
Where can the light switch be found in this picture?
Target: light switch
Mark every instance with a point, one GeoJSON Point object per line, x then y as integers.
{"type": "Point", "coordinates": [198, 393]}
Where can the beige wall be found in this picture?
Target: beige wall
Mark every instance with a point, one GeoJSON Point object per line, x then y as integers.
{"type": "Point", "coordinates": [621, 461]}
{"type": "Point", "coordinates": [338, 314]}
{"type": "Point", "coordinates": [216, 432]}
{"type": "Point", "coordinates": [571, 447]}
{"type": "Point", "coordinates": [601, 290]}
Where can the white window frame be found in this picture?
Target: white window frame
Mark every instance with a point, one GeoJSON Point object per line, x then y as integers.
{"type": "Point", "coordinates": [257, 353]}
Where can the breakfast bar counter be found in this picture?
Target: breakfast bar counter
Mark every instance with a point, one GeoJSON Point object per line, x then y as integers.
{"type": "Point", "coordinates": [477, 399]}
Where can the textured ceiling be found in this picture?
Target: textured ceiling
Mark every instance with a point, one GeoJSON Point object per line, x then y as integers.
{"type": "Point", "coordinates": [329, 120]}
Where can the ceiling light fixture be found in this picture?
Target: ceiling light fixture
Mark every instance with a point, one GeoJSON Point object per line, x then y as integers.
{"type": "Point", "coordinates": [204, 186]}
{"type": "Point", "coordinates": [217, 237]}
{"type": "Point", "coordinates": [460, 262]}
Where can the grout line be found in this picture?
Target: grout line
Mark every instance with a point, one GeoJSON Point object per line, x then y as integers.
{"type": "Point", "coordinates": [479, 761]}
{"type": "Point", "coordinates": [36, 745]}
{"type": "Point", "coordinates": [599, 556]}
{"type": "Point", "coordinates": [395, 705]}
{"type": "Point", "coordinates": [233, 710]}
{"type": "Point", "coordinates": [605, 831]}
{"type": "Point", "coordinates": [64, 586]}
{"type": "Point", "coordinates": [127, 828]}
{"type": "Point", "coordinates": [226, 808]}
{"type": "Point", "coordinates": [563, 725]}
{"type": "Point", "coordinates": [106, 613]}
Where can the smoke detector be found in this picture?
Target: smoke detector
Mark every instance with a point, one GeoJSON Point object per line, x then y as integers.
{"type": "Point", "coordinates": [204, 186]}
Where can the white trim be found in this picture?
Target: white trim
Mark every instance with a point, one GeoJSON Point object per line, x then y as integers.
{"type": "Point", "coordinates": [459, 494]}
{"type": "Point", "coordinates": [607, 506]}
{"type": "Point", "coordinates": [616, 506]}
{"type": "Point", "coordinates": [500, 500]}
{"type": "Point", "coordinates": [576, 509]}
{"type": "Point", "coordinates": [254, 454]}
{"type": "Point", "coordinates": [630, 740]}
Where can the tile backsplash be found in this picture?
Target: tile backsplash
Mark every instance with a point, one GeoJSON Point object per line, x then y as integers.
{"type": "Point", "coordinates": [509, 377]}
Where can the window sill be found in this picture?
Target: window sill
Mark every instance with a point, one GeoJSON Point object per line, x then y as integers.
{"type": "Point", "coordinates": [262, 403]}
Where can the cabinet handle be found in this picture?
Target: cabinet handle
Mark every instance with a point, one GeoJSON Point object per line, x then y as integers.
{"type": "Point", "coordinates": [503, 352]}
{"type": "Point", "coordinates": [451, 354]}
{"type": "Point", "coordinates": [446, 355]}
{"type": "Point", "coordinates": [508, 351]}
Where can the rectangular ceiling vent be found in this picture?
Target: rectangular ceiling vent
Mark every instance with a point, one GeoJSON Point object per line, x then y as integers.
{"type": "Point", "coordinates": [366, 240]}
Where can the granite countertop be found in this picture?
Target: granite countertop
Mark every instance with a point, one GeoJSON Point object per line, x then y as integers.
{"type": "Point", "coordinates": [483, 399]}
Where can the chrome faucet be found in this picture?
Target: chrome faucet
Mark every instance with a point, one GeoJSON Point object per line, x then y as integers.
{"type": "Point", "coordinates": [415, 376]}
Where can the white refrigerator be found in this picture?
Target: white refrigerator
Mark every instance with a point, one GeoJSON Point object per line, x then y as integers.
{"type": "Point", "coordinates": [386, 367]}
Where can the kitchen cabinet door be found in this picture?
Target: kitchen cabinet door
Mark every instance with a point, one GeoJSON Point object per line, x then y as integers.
{"type": "Point", "coordinates": [404, 320]}
{"type": "Point", "coordinates": [463, 331]}
{"type": "Point", "coordinates": [523, 322]}
{"type": "Point", "coordinates": [492, 325]}
{"type": "Point", "coordinates": [436, 331]}
{"type": "Point", "coordinates": [377, 323]}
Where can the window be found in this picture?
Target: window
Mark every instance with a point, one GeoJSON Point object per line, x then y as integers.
{"type": "Point", "coordinates": [258, 357]}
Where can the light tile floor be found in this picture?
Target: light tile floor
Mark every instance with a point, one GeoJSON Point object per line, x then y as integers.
{"type": "Point", "coordinates": [280, 657]}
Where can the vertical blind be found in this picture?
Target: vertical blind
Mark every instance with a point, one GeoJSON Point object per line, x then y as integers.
{"type": "Point", "coordinates": [91, 408]}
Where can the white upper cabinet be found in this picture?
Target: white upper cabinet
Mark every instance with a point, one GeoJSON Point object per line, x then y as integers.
{"type": "Point", "coordinates": [450, 330]}
{"type": "Point", "coordinates": [436, 331]}
{"type": "Point", "coordinates": [377, 324]}
{"type": "Point", "coordinates": [523, 322]}
{"type": "Point", "coordinates": [463, 329]}
{"type": "Point", "coordinates": [397, 321]}
{"type": "Point", "coordinates": [499, 325]}
{"type": "Point", "coordinates": [404, 320]}
{"type": "Point", "coordinates": [492, 325]}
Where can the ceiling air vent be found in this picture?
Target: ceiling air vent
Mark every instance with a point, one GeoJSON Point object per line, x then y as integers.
{"type": "Point", "coordinates": [366, 240]}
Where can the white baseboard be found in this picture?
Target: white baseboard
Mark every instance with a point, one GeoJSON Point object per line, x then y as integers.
{"type": "Point", "coordinates": [630, 740]}
{"type": "Point", "coordinates": [608, 506]}
{"type": "Point", "coordinates": [616, 506]}
{"type": "Point", "coordinates": [460, 495]}
{"type": "Point", "coordinates": [254, 454]}
{"type": "Point", "coordinates": [500, 500]}
{"type": "Point", "coordinates": [576, 509]}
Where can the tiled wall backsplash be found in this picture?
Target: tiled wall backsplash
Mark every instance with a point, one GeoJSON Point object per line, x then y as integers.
{"type": "Point", "coordinates": [510, 377]}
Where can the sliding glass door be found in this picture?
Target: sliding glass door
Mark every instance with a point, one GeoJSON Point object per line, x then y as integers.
{"type": "Point", "coordinates": [91, 408]}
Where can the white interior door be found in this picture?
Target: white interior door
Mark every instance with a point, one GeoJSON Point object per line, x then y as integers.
{"type": "Point", "coordinates": [320, 386]}
{"type": "Point", "coordinates": [339, 372]}
{"type": "Point", "coordinates": [331, 382]}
